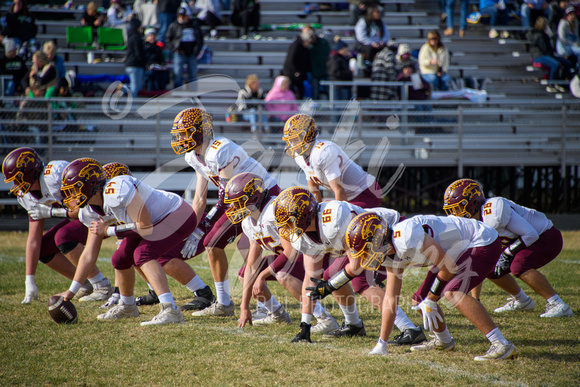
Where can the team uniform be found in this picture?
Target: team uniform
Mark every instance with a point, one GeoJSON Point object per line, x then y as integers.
{"type": "Point", "coordinates": [327, 162]}
{"type": "Point", "coordinates": [510, 220]}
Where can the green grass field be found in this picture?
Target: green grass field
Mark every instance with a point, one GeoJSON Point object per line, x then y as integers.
{"type": "Point", "coordinates": [213, 351]}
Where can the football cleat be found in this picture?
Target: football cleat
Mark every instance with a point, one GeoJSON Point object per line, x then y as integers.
{"type": "Point", "coordinates": [348, 330]}
{"type": "Point", "coordinates": [514, 305]}
{"type": "Point", "coordinates": [112, 301]}
{"type": "Point", "coordinates": [119, 311]}
{"type": "Point", "coordinates": [378, 350]}
{"type": "Point", "coordinates": [85, 290]}
{"type": "Point", "coordinates": [280, 316]}
{"type": "Point", "coordinates": [203, 299]}
{"type": "Point", "coordinates": [259, 313]}
{"type": "Point", "coordinates": [557, 309]}
{"type": "Point", "coordinates": [217, 309]}
{"type": "Point", "coordinates": [167, 315]}
{"type": "Point", "coordinates": [303, 335]}
{"type": "Point", "coordinates": [102, 290]}
{"type": "Point", "coordinates": [148, 299]}
{"type": "Point", "coordinates": [499, 351]}
{"type": "Point", "coordinates": [409, 336]}
{"type": "Point", "coordinates": [326, 323]}
{"type": "Point", "coordinates": [435, 344]}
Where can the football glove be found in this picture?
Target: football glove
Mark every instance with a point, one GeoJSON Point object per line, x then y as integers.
{"type": "Point", "coordinates": [320, 290]}
{"type": "Point", "coordinates": [380, 348]}
{"type": "Point", "coordinates": [502, 266]}
{"type": "Point", "coordinates": [191, 243]}
{"type": "Point", "coordinates": [430, 314]}
{"type": "Point", "coordinates": [31, 293]}
{"type": "Point", "coordinates": [40, 211]}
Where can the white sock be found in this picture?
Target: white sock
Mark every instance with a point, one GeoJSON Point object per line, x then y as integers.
{"type": "Point", "coordinates": [306, 318]}
{"type": "Point", "coordinates": [196, 283]}
{"type": "Point", "coordinates": [128, 300]}
{"type": "Point", "coordinates": [402, 321]}
{"type": "Point", "coordinates": [30, 280]}
{"type": "Point", "coordinates": [495, 335]}
{"type": "Point", "coordinates": [555, 298]}
{"type": "Point", "coordinates": [222, 290]}
{"type": "Point", "coordinates": [98, 278]}
{"type": "Point", "coordinates": [167, 297]}
{"type": "Point", "coordinates": [318, 310]}
{"type": "Point", "coordinates": [260, 305]}
{"type": "Point", "coordinates": [150, 287]}
{"type": "Point", "coordinates": [444, 336]}
{"type": "Point", "coordinates": [351, 314]}
{"type": "Point", "coordinates": [272, 305]}
{"type": "Point", "coordinates": [521, 296]}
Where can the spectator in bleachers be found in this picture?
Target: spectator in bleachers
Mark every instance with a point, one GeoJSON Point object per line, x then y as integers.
{"type": "Point", "coordinates": [542, 52]}
{"type": "Point", "coordinates": [49, 48]}
{"type": "Point", "coordinates": [118, 14]}
{"type": "Point", "coordinates": [166, 14]}
{"type": "Point", "coordinates": [557, 12]}
{"type": "Point", "coordinates": [319, 50]}
{"type": "Point", "coordinates": [91, 17]}
{"type": "Point", "coordinates": [449, 10]}
{"type": "Point", "coordinates": [434, 62]}
{"type": "Point", "coordinates": [14, 65]}
{"type": "Point", "coordinates": [297, 64]}
{"type": "Point", "coordinates": [371, 33]}
{"type": "Point", "coordinates": [404, 57]}
{"type": "Point", "coordinates": [135, 60]}
{"type": "Point", "coordinates": [339, 70]}
{"type": "Point", "coordinates": [531, 9]}
{"type": "Point", "coordinates": [567, 44]}
{"type": "Point", "coordinates": [280, 92]}
{"type": "Point", "coordinates": [420, 90]}
{"type": "Point", "coordinates": [43, 72]}
{"type": "Point", "coordinates": [21, 26]}
{"type": "Point", "coordinates": [208, 13]}
{"type": "Point", "coordinates": [156, 74]}
{"type": "Point", "coordinates": [185, 39]}
{"type": "Point", "coordinates": [246, 13]}
{"type": "Point", "coordinates": [495, 9]}
{"type": "Point", "coordinates": [146, 11]}
{"type": "Point", "coordinates": [248, 103]}
{"type": "Point", "coordinates": [358, 8]}
{"type": "Point", "coordinates": [383, 70]}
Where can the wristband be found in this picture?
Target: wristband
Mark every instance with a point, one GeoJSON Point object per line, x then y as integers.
{"type": "Point", "coordinates": [111, 231]}
{"type": "Point", "coordinates": [279, 263]}
{"type": "Point", "coordinates": [74, 287]}
{"type": "Point", "coordinates": [438, 286]}
{"type": "Point", "coordinates": [58, 213]}
{"type": "Point", "coordinates": [339, 279]}
{"type": "Point", "coordinates": [515, 247]}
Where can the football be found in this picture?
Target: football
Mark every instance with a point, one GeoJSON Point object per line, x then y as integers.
{"type": "Point", "coordinates": [62, 311]}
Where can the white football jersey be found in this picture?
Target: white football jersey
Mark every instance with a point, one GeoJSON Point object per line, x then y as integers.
{"type": "Point", "coordinates": [327, 161]}
{"type": "Point", "coordinates": [120, 191]}
{"type": "Point", "coordinates": [50, 182]}
{"type": "Point", "coordinates": [87, 214]}
{"type": "Point", "coordinates": [221, 153]}
{"type": "Point", "coordinates": [264, 230]}
{"type": "Point", "coordinates": [455, 235]}
{"type": "Point", "coordinates": [512, 220]}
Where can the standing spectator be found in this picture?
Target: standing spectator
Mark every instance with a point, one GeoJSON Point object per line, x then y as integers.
{"type": "Point", "coordinates": [339, 70]}
{"type": "Point", "coordinates": [531, 9]}
{"type": "Point", "coordinates": [358, 8]}
{"type": "Point", "coordinates": [297, 64]}
{"type": "Point", "coordinates": [463, 7]}
{"type": "Point", "coordinates": [405, 57]}
{"type": "Point", "coordinates": [135, 61]}
{"type": "Point", "coordinates": [20, 26]}
{"type": "Point", "coordinates": [319, 51]}
{"type": "Point", "coordinates": [371, 33]}
{"type": "Point", "coordinates": [434, 62]}
{"type": "Point", "coordinates": [49, 48]}
{"type": "Point", "coordinates": [185, 40]}
{"type": "Point", "coordinates": [14, 65]}
{"type": "Point", "coordinates": [146, 11]}
{"type": "Point", "coordinates": [567, 41]}
{"type": "Point", "coordinates": [495, 8]}
{"type": "Point", "coordinates": [247, 103]}
{"type": "Point", "coordinates": [42, 73]}
{"type": "Point", "coordinates": [91, 17]}
{"type": "Point", "coordinates": [281, 93]}
{"type": "Point", "coordinates": [543, 53]}
{"type": "Point", "coordinates": [384, 71]}
{"type": "Point", "coordinates": [117, 14]}
{"type": "Point", "coordinates": [156, 74]}
{"type": "Point", "coordinates": [246, 13]}
{"type": "Point", "coordinates": [167, 14]}
{"type": "Point", "coordinates": [208, 13]}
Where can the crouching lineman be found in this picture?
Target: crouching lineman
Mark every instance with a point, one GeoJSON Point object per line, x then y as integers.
{"type": "Point", "coordinates": [38, 190]}
{"type": "Point", "coordinates": [154, 226]}
{"type": "Point", "coordinates": [462, 251]}
{"type": "Point", "coordinates": [216, 160]}
{"type": "Point", "coordinates": [530, 241]}
{"type": "Point", "coordinates": [317, 231]}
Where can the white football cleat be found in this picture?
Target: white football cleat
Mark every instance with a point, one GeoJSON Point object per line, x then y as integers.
{"type": "Point", "coordinates": [499, 351]}
{"type": "Point", "coordinates": [279, 316]}
{"type": "Point", "coordinates": [120, 311]}
{"type": "Point", "coordinates": [557, 309]}
{"type": "Point", "coordinates": [102, 290]}
{"type": "Point", "coordinates": [379, 350]}
{"type": "Point", "coordinates": [326, 323]}
{"type": "Point", "coordinates": [167, 315]}
{"type": "Point", "coordinates": [514, 305]}
{"type": "Point", "coordinates": [435, 344]}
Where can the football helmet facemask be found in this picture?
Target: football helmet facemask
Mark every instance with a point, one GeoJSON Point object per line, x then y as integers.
{"type": "Point", "coordinates": [367, 237]}
{"type": "Point", "coordinates": [299, 132]}
{"type": "Point", "coordinates": [115, 169]}
{"type": "Point", "coordinates": [244, 193]}
{"type": "Point", "coordinates": [294, 210]}
{"type": "Point", "coordinates": [191, 128]}
{"type": "Point", "coordinates": [22, 167]}
{"type": "Point", "coordinates": [464, 198]}
{"type": "Point", "coordinates": [81, 180]}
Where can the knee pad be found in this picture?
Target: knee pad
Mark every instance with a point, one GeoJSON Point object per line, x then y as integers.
{"type": "Point", "coordinates": [46, 259]}
{"type": "Point", "coordinates": [67, 247]}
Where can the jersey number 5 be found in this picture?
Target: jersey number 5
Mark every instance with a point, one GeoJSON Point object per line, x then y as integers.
{"type": "Point", "coordinates": [109, 189]}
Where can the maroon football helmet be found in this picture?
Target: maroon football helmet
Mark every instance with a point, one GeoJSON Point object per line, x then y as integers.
{"type": "Point", "coordinates": [294, 210]}
{"type": "Point", "coordinates": [245, 192]}
{"type": "Point", "coordinates": [81, 180]}
{"type": "Point", "coordinates": [300, 131]}
{"type": "Point", "coordinates": [22, 167]}
{"type": "Point", "coordinates": [115, 169]}
{"type": "Point", "coordinates": [190, 128]}
{"type": "Point", "coordinates": [367, 237]}
{"type": "Point", "coordinates": [464, 198]}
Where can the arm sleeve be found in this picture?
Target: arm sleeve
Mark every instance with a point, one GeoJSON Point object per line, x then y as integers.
{"type": "Point", "coordinates": [328, 163]}
{"type": "Point", "coordinates": [520, 226]}
{"type": "Point", "coordinates": [361, 33]}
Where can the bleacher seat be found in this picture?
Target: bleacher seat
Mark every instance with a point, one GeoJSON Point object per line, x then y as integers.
{"type": "Point", "coordinates": [110, 38]}
{"type": "Point", "coordinates": [79, 37]}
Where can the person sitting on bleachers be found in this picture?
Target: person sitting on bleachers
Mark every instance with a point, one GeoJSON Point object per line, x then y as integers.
{"type": "Point", "coordinates": [371, 33]}
{"type": "Point", "coordinates": [208, 13]}
{"type": "Point", "coordinates": [358, 8]}
{"type": "Point", "coordinates": [156, 74]}
{"type": "Point", "coordinates": [246, 13]}
{"type": "Point", "coordinates": [247, 103]}
{"type": "Point", "coordinates": [383, 70]}
{"type": "Point", "coordinates": [49, 48]}
{"type": "Point", "coordinates": [280, 92]}
{"type": "Point", "coordinates": [531, 9]}
{"type": "Point", "coordinates": [43, 72]}
{"type": "Point", "coordinates": [404, 57]}
{"type": "Point", "coordinates": [567, 44]}
{"type": "Point", "coordinates": [495, 8]}
{"type": "Point", "coordinates": [91, 17]}
{"type": "Point", "coordinates": [420, 90]}
{"type": "Point", "coordinates": [14, 65]}
{"type": "Point", "coordinates": [434, 62]}
{"type": "Point", "coordinates": [21, 26]}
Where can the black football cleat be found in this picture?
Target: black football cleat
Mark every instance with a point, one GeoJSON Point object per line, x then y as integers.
{"type": "Point", "coordinates": [348, 330]}
{"type": "Point", "coordinates": [203, 299]}
{"type": "Point", "coordinates": [304, 334]}
{"type": "Point", "coordinates": [148, 299]}
{"type": "Point", "coordinates": [409, 336]}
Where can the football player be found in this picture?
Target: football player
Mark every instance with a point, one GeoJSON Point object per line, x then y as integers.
{"type": "Point", "coordinates": [153, 223]}
{"type": "Point", "coordinates": [326, 165]}
{"type": "Point", "coordinates": [214, 160]}
{"type": "Point", "coordinates": [38, 190]}
{"type": "Point", "coordinates": [251, 204]}
{"type": "Point", "coordinates": [462, 251]}
{"type": "Point", "coordinates": [530, 241]}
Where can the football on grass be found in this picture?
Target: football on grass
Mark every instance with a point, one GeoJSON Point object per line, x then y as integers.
{"type": "Point", "coordinates": [62, 311]}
